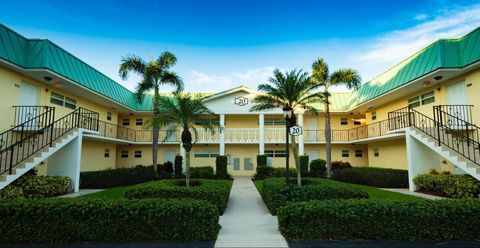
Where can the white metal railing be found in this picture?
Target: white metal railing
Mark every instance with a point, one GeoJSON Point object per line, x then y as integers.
{"type": "Point", "coordinates": [243, 135]}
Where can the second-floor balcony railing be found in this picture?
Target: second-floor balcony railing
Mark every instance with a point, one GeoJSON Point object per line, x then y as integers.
{"type": "Point", "coordinates": [245, 135]}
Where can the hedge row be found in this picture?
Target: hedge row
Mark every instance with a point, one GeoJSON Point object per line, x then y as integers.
{"type": "Point", "coordinates": [80, 220]}
{"type": "Point", "coordinates": [32, 186]}
{"type": "Point", "coordinates": [275, 193]}
{"type": "Point", "coordinates": [214, 191]}
{"type": "Point", "coordinates": [116, 177]}
{"type": "Point", "coordinates": [377, 220]}
{"type": "Point", "coordinates": [378, 177]}
{"type": "Point", "coordinates": [453, 186]}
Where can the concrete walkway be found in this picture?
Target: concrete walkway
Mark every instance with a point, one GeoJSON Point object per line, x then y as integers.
{"type": "Point", "coordinates": [418, 194]}
{"type": "Point", "coordinates": [81, 192]}
{"type": "Point", "coordinates": [246, 221]}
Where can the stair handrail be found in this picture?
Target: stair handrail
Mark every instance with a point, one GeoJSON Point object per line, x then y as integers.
{"type": "Point", "coordinates": [25, 147]}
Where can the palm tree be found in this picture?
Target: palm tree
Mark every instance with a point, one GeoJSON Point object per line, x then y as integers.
{"type": "Point", "coordinates": [343, 77]}
{"type": "Point", "coordinates": [187, 112]}
{"type": "Point", "coordinates": [154, 73]}
{"type": "Point", "coordinates": [292, 89]}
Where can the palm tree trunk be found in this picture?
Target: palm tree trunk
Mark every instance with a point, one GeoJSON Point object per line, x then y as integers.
{"type": "Point", "coordinates": [155, 130]}
{"type": "Point", "coordinates": [295, 157]}
{"type": "Point", "coordinates": [328, 139]}
{"type": "Point", "coordinates": [187, 168]}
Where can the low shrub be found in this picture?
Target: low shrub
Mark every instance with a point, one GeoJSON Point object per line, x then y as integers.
{"type": "Point", "coordinates": [221, 167]}
{"type": "Point", "coordinates": [275, 193]}
{"type": "Point", "coordinates": [303, 164]}
{"type": "Point", "coordinates": [340, 165]}
{"type": "Point", "coordinates": [44, 186]}
{"type": "Point", "coordinates": [380, 220]}
{"type": "Point", "coordinates": [261, 160]}
{"type": "Point", "coordinates": [81, 220]}
{"type": "Point", "coordinates": [11, 192]}
{"type": "Point", "coordinates": [204, 172]}
{"type": "Point", "coordinates": [280, 172]}
{"type": "Point", "coordinates": [263, 172]}
{"type": "Point", "coordinates": [178, 166]}
{"type": "Point", "coordinates": [116, 177]}
{"type": "Point", "coordinates": [165, 170]}
{"type": "Point", "coordinates": [318, 168]}
{"type": "Point", "coordinates": [214, 191]}
{"type": "Point", "coordinates": [378, 177]}
{"type": "Point", "coordinates": [449, 185]}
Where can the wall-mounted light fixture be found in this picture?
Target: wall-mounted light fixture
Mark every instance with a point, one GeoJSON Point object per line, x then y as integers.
{"type": "Point", "coordinates": [438, 77]}
{"type": "Point", "coordinates": [47, 78]}
{"type": "Point", "coordinates": [58, 84]}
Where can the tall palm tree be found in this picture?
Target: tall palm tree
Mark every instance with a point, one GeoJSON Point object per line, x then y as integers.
{"type": "Point", "coordinates": [154, 73]}
{"type": "Point", "coordinates": [292, 89]}
{"type": "Point", "coordinates": [185, 111]}
{"type": "Point", "coordinates": [343, 77]}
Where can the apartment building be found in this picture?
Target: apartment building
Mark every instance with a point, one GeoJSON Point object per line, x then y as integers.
{"type": "Point", "coordinates": [420, 114]}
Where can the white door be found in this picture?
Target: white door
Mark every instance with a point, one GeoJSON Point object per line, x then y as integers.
{"type": "Point", "coordinates": [312, 155]}
{"type": "Point", "coordinates": [457, 95]}
{"type": "Point", "coordinates": [313, 133]}
{"type": "Point", "coordinates": [28, 97]}
{"type": "Point", "coordinates": [169, 156]}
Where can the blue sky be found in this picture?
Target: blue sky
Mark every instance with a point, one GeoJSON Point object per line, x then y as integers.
{"type": "Point", "coordinates": [222, 44]}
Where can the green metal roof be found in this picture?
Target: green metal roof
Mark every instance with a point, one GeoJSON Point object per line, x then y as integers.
{"type": "Point", "coordinates": [44, 54]}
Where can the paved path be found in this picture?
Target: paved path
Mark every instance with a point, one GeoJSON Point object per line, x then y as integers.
{"type": "Point", "coordinates": [246, 221]}
{"type": "Point", "coordinates": [418, 194]}
{"type": "Point", "coordinates": [81, 192]}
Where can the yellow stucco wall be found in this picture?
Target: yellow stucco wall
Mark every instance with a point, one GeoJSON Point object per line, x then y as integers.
{"type": "Point", "coordinates": [337, 153]}
{"type": "Point", "coordinates": [93, 155]}
{"type": "Point", "coordinates": [392, 154]}
{"type": "Point", "coordinates": [146, 158]}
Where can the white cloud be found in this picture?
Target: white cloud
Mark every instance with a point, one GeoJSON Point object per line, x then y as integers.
{"type": "Point", "coordinates": [199, 81]}
{"type": "Point", "coordinates": [421, 17]}
{"type": "Point", "coordinates": [392, 47]}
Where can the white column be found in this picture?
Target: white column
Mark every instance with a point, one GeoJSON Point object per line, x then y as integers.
{"type": "Point", "coordinates": [183, 154]}
{"type": "Point", "coordinates": [301, 147]}
{"type": "Point", "coordinates": [420, 158]}
{"type": "Point", "coordinates": [261, 133]}
{"type": "Point", "coordinates": [222, 135]}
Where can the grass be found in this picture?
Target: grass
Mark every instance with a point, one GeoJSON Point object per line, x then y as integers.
{"type": "Point", "coordinates": [373, 192]}
{"type": "Point", "coordinates": [112, 193]}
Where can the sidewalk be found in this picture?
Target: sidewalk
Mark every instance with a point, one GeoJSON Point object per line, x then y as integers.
{"type": "Point", "coordinates": [246, 221]}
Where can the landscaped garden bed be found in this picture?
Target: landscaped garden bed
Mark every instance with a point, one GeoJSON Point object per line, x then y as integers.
{"type": "Point", "coordinates": [448, 185]}
{"type": "Point", "coordinates": [99, 220]}
{"type": "Point", "coordinates": [378, 177]}
{"type": "Point", "coordinates": [32, 186]}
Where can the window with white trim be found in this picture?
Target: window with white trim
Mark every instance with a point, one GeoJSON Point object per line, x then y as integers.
{"type": "Point", "coordinates": [126, 122]}
{"type": "Point", "coordinates": [138, 154]}
{"type": "Point", "coordinates": [124, 154]}
{"type": "Point", "coordinates": [344, 121]}
{"type": "Point", "coordinates": [345, 153]}
{"type": "Point", "coordinates": [106, 153]}
{"type": "Point", "coordinates": [358, 153]}
{"type": "Point", "coordinates": [109, 116]}
{"type": "Point", "coordinates": [357, 122]}
{"type": "Point", "coordinates": [276, 153]}
{"type": "Point", "coordinates": [374, 115]}
{"type": "Point", "coordinates": [274, 121]}
{"type": "Point", "coordinates": [423, 99]}
{"type": "Point", "coordinates": [213, 120]}
{"type": "Point", "coordinates": [139, 121]}
{"type": "Point", "coordinates": [376, 152]}
{"type": "Point", "coordinates": [63, 101]}
{"type": "Point", "coordinates": [206, 154]}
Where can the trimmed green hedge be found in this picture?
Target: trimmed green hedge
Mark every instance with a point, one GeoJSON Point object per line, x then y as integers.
{"type": "Point", "coordinates": [381, 220]}
{"type": "Point", "coordinates": [204, 172]}
{"type": "Point", "coordinates": [11, 192]}
{"type": "Point", "coordinates": [261, 160]}
{"type": "Point", "coordinates": [32, 186]}
{"type": "Point", "coordinates": [318, 168]}
{"type": "Point", "coordinates": [79, 220]}
{"type": "Point", "coordinates": [275, 193]}
{"type": "Point", "coordinates": [178, 166]}
{"type": "Point", "coordinates": [303, 159]}
{"type": "Point", "coordinates": [221, 167]}
{"type": "Point", "coordinates": [116, 177]}
{"type": "Point", "coordinates": [214, 191]}
{"type": "Point", "coordinates": [378, 177]}
{"type": "Point", "coordinates": [453, 186]}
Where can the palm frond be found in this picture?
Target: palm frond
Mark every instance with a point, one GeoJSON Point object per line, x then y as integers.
{"type": "Point", "coordinates": [131, 63]}
{"type": "Point", "coordinates": [348, 77]}
{"type": "Point", "coordinates": [320, 71]}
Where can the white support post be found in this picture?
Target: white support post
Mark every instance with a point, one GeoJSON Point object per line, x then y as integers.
{"type": "Point", "coordinates": [67, 161]}
{"type": "Point", "coordinates": [261, 133]}
{"type": "Point", "coordinates": [182, 153]}
{"type": "Point", "coordinates": [420, 159]}
{"type": "Point", "coordinates": [301, 146]}
{"type": "Point", "coordinates": [222, 135]}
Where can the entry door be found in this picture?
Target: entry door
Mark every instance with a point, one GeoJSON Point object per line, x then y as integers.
{"type": "Point", "coordinates": [312, 155]}
{"type": "Point", "coordinates": [313, 127]}
{"type": "Point", "coordinates": [457, 95]}
{"type": "Point", "coordinates": [28, 97]}
{"type": "Point", "coordinates": [169, 156]}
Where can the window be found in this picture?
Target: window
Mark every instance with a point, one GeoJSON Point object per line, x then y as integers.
{"type": "Point", "coordinates": [274, 121]}
{"type": "Point", "coordinates": [138, 154]}
{"type": "Point", "coordinates": [107, 153]}
{"type": "Point", "coordinates": [124, 154]}
{"type": "Point", "coordinates": [206, 154]}
{"type": "Point", "coordinates": [276, 153]}
{"type": "Point", "coordinates": [357, 122]}
{"type": "Point", "coordinates": [139, 122]}
{"type": "Point", "coordinates": [109, 116]}
{"type": "Point", "coordinates": [376, 152]}
{"type": "Point", "coordinates": [374, 115]}
{"type": "Point", "coordinates": [344, 121]}
{"type": "Point", "coordinates": [126, 122]}
{"type": "Point", "coordinates": [214, 121]}
{"type": "Point", "coordinates": [358, 153]}
{"type": "Point", "coordinates": [64, 101]}
{"type": "Point", "coordinates": [345, 153]}
{"type": "Point", "coordinates": [421, 100]}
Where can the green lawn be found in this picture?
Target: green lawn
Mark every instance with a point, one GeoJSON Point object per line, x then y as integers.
{"type": "Point", "coordinates": [112, 193]}
{"type": "Point", "coordinates": [374, 193]}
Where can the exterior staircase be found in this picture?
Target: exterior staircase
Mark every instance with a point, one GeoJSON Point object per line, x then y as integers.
{"type": "Point", "coordinates": [448, 135]}
{"type": "Point", "coordinates": [24, 148]}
